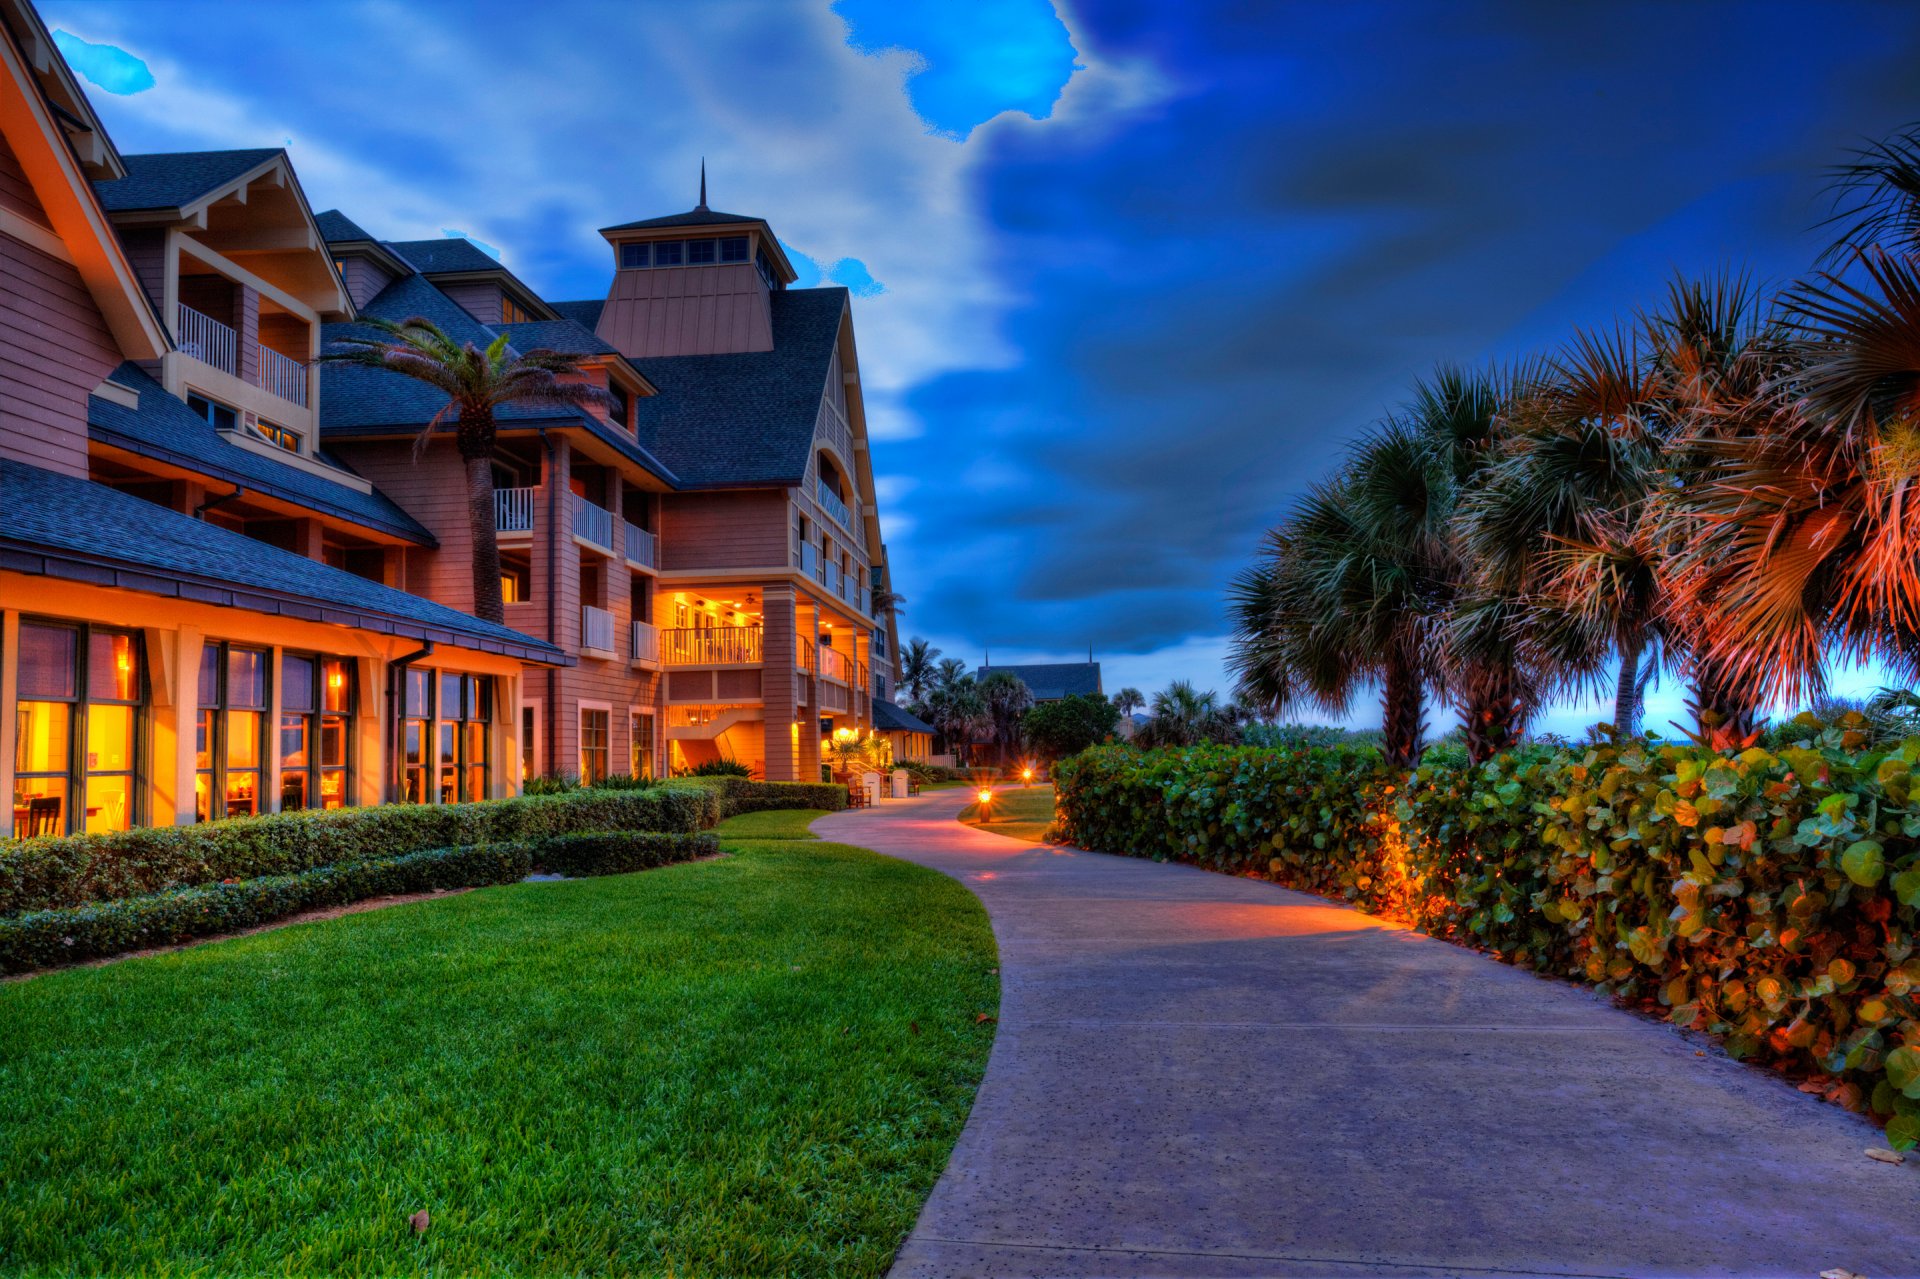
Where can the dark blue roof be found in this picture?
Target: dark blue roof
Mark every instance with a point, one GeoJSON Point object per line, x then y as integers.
{"type": "Point", "coordinates": [337, 228]}
{"type": "Point", "coordinates": [889, 718]}
{"type": "Point", "coordinates": [174, 179]}
{"type": "Point", "coordinates": [62, 526]}
{"type": "Point", "coordinates": [1050, 681]}
{"type": "Point", "coordinates": [692, 217]}
{"type": "Point", "coordinates": [360, 401]}
{"type": "Point", "coordinates": [585, 313]}
{"type": "Point", "coordinates": [165, 429]}
{"type": "Point", "coordinates": [432, 257]}
{"type": "Point", "coordinates": [745, 418]}
{"type": "Point", "coordinates": [565, 336]}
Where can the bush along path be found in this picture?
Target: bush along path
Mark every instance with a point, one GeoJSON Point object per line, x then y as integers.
{"type": "Point", "coordinates": [1202, 1074]}
{"type": "Point", "coordinates": [1767, 896]}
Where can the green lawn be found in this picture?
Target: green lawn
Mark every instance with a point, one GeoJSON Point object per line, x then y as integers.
{"type": "Point", "coordinates": [776, 823]}
{"type": "Point", "coordinates": [748, 1065]}
{"type": "Point", "coordinates": [1020, 812]}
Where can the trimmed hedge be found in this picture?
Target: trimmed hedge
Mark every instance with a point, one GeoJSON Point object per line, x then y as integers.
{"type": "Point", "coordinates": [1772, 897]}
{"type": "Point", "coordinates": [742, 795]}
{"type": "Point", "coordinates": [44, 939]}
{"type": "Point", "coordinates": [63, 871]}
{"type": "Point", "coordinates": [619, 852]}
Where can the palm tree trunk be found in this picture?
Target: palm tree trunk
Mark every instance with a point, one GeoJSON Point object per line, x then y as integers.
{"type": "Point", "coordinates": [1626, 689]}
{"type": "Point", "coordinates": [1493, 717]}
{"type": "Point", "coordinates": [1728, 713]}
{"type": "Point", "coordinates": [487, 604]}
{"type": "Point", "coordinates": [1403, 706]}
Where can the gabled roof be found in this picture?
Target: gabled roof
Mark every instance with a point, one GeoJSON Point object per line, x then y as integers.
{"type": "Point", "coordinates": [585, 313]}
{"type": "Point", "coordinates": [361, 401]}
{"type": "Point", "coordinates": [692, 217]}
{"type": "Point", "coordinates": [889, 718]}
{"type": "Point", "coordinates": [1050, 681]}
{"type": "Point", "coordinates": [175, 179]}
{"type": "Point", "coordinates": [746, 418]}
{"type": "Point", "coordinates": [566, 336]}
{"type": "Point", "coordinates": [65, 527]}
{"type": "Point", "coordinates": [445, 256]}
{"type": "Point", "coordinates": [165, 429]}
{"type": "Point", "coordinates": [337, 228]}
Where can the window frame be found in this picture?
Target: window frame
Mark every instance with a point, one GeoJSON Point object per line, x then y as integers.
{"type": "Point", "coordinates": [210, 414]}
{"type": "Point", "coordinates": [78, 771]}
{"type": "Point", "coordinates": [605, 747]}
{"type": "Point", "coordinates": [218, 730]}
{"type": "Point", "coordinates": [315, 720]}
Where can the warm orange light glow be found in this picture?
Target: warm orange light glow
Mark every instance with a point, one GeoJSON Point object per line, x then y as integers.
{"type": "Point", "coordinates": [986, 796]}
{"type": "Point", "coordinates": [334, 680]}
{"type": "Point", "coordinates": [1026, 775]}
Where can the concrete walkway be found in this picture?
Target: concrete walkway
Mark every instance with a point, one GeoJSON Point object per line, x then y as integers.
{"type": "Point", "coordinates": [1201, 1075]}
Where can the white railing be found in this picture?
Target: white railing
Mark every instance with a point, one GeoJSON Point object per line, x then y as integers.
{"type": "Point", "coordinates": [645, 645]}
{"type": "Point", "coordinates": [209, 341]}
{"type": "Point", "coordinates": [513, 510]}
{"type": "Point", "coordinates": [831, 578]}
{"type": "Point", "coordinates": [830, 503]}
{"type": "Point", "coordinates": [639, 546]}
{"type": "Point", "coordinates": [596, 628]}
{"type": "Point", "coordinates": [834, 665]}
{"type": "Point", "coordinates": [808, 560]}
{"type": "Point", "coordinates": [283, 376]}
{"type": "Point", "coordinates": [833, 697]}
{"type": "Point", "coordinates": [592, 523]}
{"type": "Point", "coordinates": [710, 645]}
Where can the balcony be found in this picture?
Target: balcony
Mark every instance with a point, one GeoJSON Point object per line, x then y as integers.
{"type": "Point", "coordinates": [807, 559]}
{"type": "Point", "coordinates": [592, 524]}
{"type": "Point", "coordinates": [218, 346]}
{"type": "Point", "coordinates": [711, 646]}
{"type": "Point", "coordinates": [644, 646]}
{"type": "Point", "coordinates": [830, 503]}
{"type": "Point", "coordinates": [834, 665]}
{"type": "Point", "coordinates": [596, 631]}
{"type": "Point", "coordinates": [513, 510]}
{"type": "Point", "coordinates": [641, 548]}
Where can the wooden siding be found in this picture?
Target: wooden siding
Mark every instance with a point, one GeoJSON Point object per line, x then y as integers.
{"type": "Point", "coordinates": [478, 298]}
{"type": "Point", "coordinates": [364, 279]}
{"type": "Point", "coordinates": [146, 249]}
{"type": "Point", "coordinates": [16, 192]}
{"type": "Point", "coordinates": [693, 310]}
{"type": "Point", "coordinates": [54, 349]}
{"type": "Point", "coordinates": [434, 491]}
{"type": "Point", "coordinates": [743, 529]}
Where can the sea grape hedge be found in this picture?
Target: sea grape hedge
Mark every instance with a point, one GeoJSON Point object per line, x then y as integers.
{"type": "Point", "coordinates": [618, 852]}
{"type": "Point", "coordinates": [63, 871]}
{"type": "Point", "coordinates": [742, 795]}
{"type": "Point", "coordinates": [1770, 896]}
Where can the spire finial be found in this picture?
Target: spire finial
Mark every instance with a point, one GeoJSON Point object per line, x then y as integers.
{"type": "Point", "coordinates": [702, 206]}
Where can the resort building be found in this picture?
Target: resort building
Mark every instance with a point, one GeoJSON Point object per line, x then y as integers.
{"type": "Point", "coordinates": [226, 585]}
{"type": "Point", "coordinates": [1053, 681]}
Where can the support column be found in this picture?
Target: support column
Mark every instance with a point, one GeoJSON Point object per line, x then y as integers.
{"type": "Point", "coordinates": [188, 644]}
{"type": "Point", "coordinates": [777, 680]}
{"type": "Point", "coordinates": [9, 694]}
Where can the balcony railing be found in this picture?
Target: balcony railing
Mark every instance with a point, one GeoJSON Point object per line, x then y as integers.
{"type": "Point", "coordinates": [645, 645]}
{"type": "Point", "coordinates": [834, 665]}
{"type": "Point", "coordinates": [803, 656]}
{"type": "Point", "coordinates": [830, 503]}
{"type": "Point", "coordinates": [711, 646]}
{"type": "Point", "coordinates": [639, 546]}
{"type": "Point", "coordinates": [596, 629]}
{"type": "Point", "coordinates": [807, 559]}
{"type": "Point", "coordinates": [513, 510]}
{"type": "Point", "coordinates": [592, 523]}
{"type": "Point", "coordinates": [209, 341]}
{"type": "Point", "coordinates": [283, 376]}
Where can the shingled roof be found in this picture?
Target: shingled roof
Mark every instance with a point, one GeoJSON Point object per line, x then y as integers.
{"type": "Point", "coordinates": [337, 228]}
{"type": "Point", "coordinates": [567, 336]}
{"type": "Point", "coordinates": [165, 429]}
{"type": "Point", "coordinates": [585, 313]}
{"type": "Point", "coordinates": [746, 418]}
{"type": "Point", "coordinates": [889, 718]}
{"type": "Point", "coordinates": [1051, 681]}
{"type": "Point", "coordinates": [692, 217]}
{"type": "Point", "coordinates": [64, 527]}
{"type": "Point", "coordinates": [175, 179]}
{"type": "Point", "coordinates": [446, 256]}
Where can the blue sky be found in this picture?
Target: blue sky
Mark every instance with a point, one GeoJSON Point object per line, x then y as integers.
{"type": "Point", "coordinates": [1130, 274]}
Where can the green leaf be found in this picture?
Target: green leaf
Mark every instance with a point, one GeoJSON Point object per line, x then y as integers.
{"type": "Point", "coordinates": [1865, 862]}
{"type": "Point", "coordinates": [1906, 886]}
{"type": "Point", "coordinates": [1903, 1070]}
{"type": "Point", "coordinates": [1903, 1131]}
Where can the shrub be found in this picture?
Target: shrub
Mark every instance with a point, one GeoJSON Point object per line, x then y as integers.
{"type": "Point", "coordinates": [736, 795]}
{"type": "Point", "coordinates": [63, 871]}
{"type": "Point", "coordinates": [624, 781]}
{"type": "Point", "coordinates": [1070, 725]}
{"type": "Point", "coordinates": [550, 784]}
{"type": "Point", "coordinates": [718, 768]}
{"type": "Point", "coordinates": [1770, 896]}
{"type": "Point", "coordinates": [47, 938]}
{"type": "Point", "coordinates": [619, 852]}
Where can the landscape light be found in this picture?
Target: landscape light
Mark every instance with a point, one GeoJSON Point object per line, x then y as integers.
{"type": "Point", "coordinates": [986, 796]}
{"type": "Point", "coordinates": [1026, 775]}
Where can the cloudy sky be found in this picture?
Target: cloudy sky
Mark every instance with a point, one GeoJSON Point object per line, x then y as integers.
{"type": "Point", "coordinates": [1130, 273]}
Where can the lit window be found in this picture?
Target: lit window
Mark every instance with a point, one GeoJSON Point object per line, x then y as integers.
{"type": "Point", "coordinates": [633, 256]}
{"type": "Point", "coordinates": [217, 415]}
{"type": "Point", "coordinates": [316, 738]}
{"type": "Point", "coordinates": [466, 714]}
{"type": "Point", "coordinates": [229, 734]}
{"type": "Point", "coordinates": [595, 744]}
{"type": "Point", "coordinates": [512, 313]}
{"type": "Point", "coordinates": [733, 249]}
{"type": "Point", "coordinates": [641, 764]}
{"type": "Point", "coordinates": [667, 253]}
{"type": "Point", "coordinates": [701, 252]}
{"type": "Point", "coordinates": [288, 440]}
{"type": "Point", "coordinates": [98, 700]}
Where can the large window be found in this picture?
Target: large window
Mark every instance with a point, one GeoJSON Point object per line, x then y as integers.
{"type": "Point", "coordinates": [634, 257]}
{"type": "Point", "coordinates": [416, 725]}
{"type": "Point", "coordinates": [230, 733]}
{"type": "Point", "coordinates": [219, 416]}
{"type": "Point", "coordinates": [79, 686]}
{"type": "Point", "coordinates": [285, 438]}
{"type": "Point", "coordinates": [316, 731]}
{"type": "Point", "coordinates": [596, 732]}
{"type": "Point", "coordinates": [642, 763]}
{"type": "Point", "coordinates": [466, 715]}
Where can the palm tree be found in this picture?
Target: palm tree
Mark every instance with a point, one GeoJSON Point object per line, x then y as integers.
{"type": "Point", "coordinates": [1127, 701]}
{"type": "Point", "coordinates": [1182, 715]}
{"type": "Point", "coordinates": [916, 668]}
{"type": "Point", "coordinates": [950, 672]}
{"type": "Point", "coordinates": [956, 711]}
{"type": "Point", "coordinates": [477, 383]}
{"type": "Point", "coordinates": [1006, 698]}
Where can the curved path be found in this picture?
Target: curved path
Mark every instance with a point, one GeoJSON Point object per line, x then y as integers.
{"type": "Point", "coordinates": [1202, 1075]}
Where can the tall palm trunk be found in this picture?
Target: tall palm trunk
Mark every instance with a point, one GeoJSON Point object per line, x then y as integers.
{"type": "Point", "coordinates": [1626, 689]}
{"type": "Point", "coordinates": [1727, 710]}
{"type": "Point", "coordinates": [1403, 709]}
{"type": "Point", "coordinates": [487, 604]}
{"type": "Point", "coordinates": [1494, 716]}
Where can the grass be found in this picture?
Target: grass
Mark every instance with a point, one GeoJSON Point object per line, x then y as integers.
{"type": "Point", "coordinates": [777, 823]}
{"type": "Point", "coordinates": [749, 1065]}
{"type": "Point", "coordinates": [1020, 812]}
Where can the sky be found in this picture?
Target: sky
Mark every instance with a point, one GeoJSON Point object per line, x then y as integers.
{"type": "Point", "coordinates": [1129, 276]}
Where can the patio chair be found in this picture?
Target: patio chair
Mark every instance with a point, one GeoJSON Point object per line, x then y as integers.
{"type": "Point", "coordinates": [856, 795]}
{"type": "Point", "coordinates": [43, 816]}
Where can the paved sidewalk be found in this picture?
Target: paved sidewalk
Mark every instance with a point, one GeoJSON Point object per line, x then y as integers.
{"type": "Point", "coordinates": [1208, 1076]}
